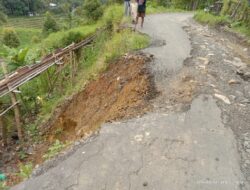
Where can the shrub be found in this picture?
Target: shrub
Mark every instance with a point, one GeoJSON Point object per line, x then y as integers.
{"type": "Point", "coordinates": [113, 13]}
{"type": "Point", "coordinates": [10, 38]}
{"type": "Point", "coordinates": [72, 36]}
{"type": "Point", "coordinates": [93, 9]}
{"type": "Point", "coordinates": [50, 24]}
{"type": "Point", "coordinates": [25, 170]}
{"type": "Point", "coordinates": [35, 39]}
{"type": "Point", "coordinates": [54, 150]}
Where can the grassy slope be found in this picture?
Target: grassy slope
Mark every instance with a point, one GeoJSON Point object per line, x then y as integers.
{"type": "Point", "coordinates": [212, 20]}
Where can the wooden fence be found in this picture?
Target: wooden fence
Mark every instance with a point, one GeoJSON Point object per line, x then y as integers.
{"type": "Point", "coordinates": [11, 81]}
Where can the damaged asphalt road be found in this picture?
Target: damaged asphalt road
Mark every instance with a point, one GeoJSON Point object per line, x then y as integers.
{"type": "Point", "coordinates": [196, 138]}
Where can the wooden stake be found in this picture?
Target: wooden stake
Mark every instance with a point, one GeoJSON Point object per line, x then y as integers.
{"type": "Point", "coordinates": [72, 67]}
{"type": "Point", "coordinates": [15, 104]}
{"type": "Point", "coordinates": [236, 9]}
{"type": "Point", "coordinates": [3, 130]}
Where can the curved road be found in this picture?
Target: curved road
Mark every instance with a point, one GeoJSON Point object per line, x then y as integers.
{"type": "Point", "coordinates": [191, 150]}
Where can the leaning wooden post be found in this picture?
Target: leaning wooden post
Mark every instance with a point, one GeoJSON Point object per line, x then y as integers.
{"type": "Point", "coordinates": [3, 129]}
{"type": "Point", "coordinates": [72, 66]}
{"type": "Point", "coordinates": [15, 104]}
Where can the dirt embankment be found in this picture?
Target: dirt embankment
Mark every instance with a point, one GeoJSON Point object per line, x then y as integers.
{"type": "Point", "coordinates": [121, 92]}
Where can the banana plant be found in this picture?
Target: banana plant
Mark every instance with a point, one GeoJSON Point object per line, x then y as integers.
{"type": "Point", "coordinates": [16, 58]}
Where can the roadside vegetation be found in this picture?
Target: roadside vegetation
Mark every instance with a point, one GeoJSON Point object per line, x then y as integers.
{"type": "Point", "coordinates": [234, 14]}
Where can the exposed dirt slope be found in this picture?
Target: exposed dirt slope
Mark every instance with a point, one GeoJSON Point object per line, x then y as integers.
{"type": "Point", "coordinates": [122, 91]}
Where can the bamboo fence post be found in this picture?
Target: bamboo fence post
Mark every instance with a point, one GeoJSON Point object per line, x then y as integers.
{"type": "Point", "coordinates": [16, 107]}
{"type": "Point", "coordinates": [3, 130]}
{"type": "Point", "coordinates": [236, 9]}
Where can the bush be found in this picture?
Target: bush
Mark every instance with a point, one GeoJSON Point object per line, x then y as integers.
{"type": "Point", "coordinates": [93, 9]}
{"type": "Point", "coordinates": [10, 38]}
{"type": "Point", "coordinates": [25, 170]}
{"type": "Point", "coordinates": [35, 39]}
{"type": "Point", "coordinates": [72, 36]}
{"type": "Point", "coordinates": [63, 38]}
{"type": "Point", "coordinates": [50, 25]}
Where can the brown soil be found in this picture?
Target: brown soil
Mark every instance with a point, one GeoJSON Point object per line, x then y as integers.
{"type": "Point", "coordinates": [123, 91]}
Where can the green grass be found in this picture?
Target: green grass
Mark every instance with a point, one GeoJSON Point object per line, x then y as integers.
{"type": "Point", "coordinates": [241, 28]}
{"type": "Point", "coordinates": [59, 39]}
{"type": "Point", "coordinates": [35, 22]}
{"type": "Point", "coordinates": [212, 20]}
{"type": "Point", "coordinates": [54, 150]}
{"type": "Point", "coordinates": [124, 42]}
{"type": "Point", "coordinates": [161, 9]}
{"type": "Point", "coordinates": [25, 35]}
{"type": "Point", "coordinates": [3, 186]}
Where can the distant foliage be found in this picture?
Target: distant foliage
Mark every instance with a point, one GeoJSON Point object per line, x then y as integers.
{"type": "Point", "coordinates": [26, 7]}
{"type": "Point", "coordinates": [185, 4]}
{"type": "Point", "coordinates": [50, 24]}
{"type": "Point", "coordinates": [93, 9]}
{"type": "Point", "coordinates": [10, 38]}
{"type": "Point", "coordinates": [3, 18]}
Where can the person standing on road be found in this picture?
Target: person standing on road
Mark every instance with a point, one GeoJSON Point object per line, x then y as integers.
{"type": "Point", "coordinates": [127, 7]}
{"type": "Point", "coordinates": [141, 11]}
{"type": "Point", "coordinates": [134, 8]}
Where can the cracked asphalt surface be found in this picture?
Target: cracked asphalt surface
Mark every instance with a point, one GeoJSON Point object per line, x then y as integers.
{"type": "Point", "coordinates": [192, 147]}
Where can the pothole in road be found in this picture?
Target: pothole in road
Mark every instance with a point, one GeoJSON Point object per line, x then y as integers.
{"type": "Point", "coordinates": [158, 43]}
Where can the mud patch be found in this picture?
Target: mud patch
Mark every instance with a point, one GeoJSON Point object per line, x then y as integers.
{"type": "Point", "coordinates": [182, 90]}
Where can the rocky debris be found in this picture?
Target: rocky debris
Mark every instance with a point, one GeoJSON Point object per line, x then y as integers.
{"type": "Point", "coordinates": [233, 81]}
{"type": "Point", "coordinates": [204, 59]}
{"type": "Point", "coordinates": [244, 73]}
{"type": "Point", "coordinates": [223, 98]}
{"type": "Point", "coordinates": [236, 62]}
{"type": "Point", "coordinates": [246, 142]}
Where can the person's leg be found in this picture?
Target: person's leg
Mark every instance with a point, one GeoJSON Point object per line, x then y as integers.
{"type": "Point", "coordinates": [126, 8]}
{"type": "Point", "coordinates": [129, 9]}
{"type": "Point", "coordinates": [136, 21]}
{"type": "Point", "coordinates": [142, 21]}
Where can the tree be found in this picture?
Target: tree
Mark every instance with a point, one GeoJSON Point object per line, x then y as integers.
{"type": "Point", "coordinates": [50, 24]}
{"type": "Point", "coordinates": [93, 9]}
{"type": "Point", "coordinates": [10, 38]}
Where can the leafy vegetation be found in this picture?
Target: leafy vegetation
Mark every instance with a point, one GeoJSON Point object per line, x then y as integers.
{"type": "Point", "coordinates": [3, 186]}
{"type": "Point", "coordinates": [93, 9]}
{"type": "Point", "coordinates": [54, 150]}
{"type": "Point", "coordinates": [10, 38]}
{"type": "Point", "coordinates": [235, 14]}
{"type": "Point", "coordinates": [25, 170]}
{"type": "Point", "coordinates": [50, 24]}
{"type": "Point", "coordinates": [210, 19]}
